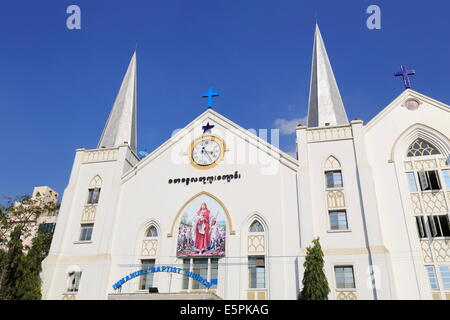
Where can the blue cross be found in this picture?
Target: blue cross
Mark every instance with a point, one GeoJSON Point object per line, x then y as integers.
{"type": "Point", "coordinates": [405, 73]}
{"type": "Point", "coordinates": [210, 94]}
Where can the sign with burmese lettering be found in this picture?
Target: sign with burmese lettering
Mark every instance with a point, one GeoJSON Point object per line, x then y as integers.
{"type": "Point", "coordinates": [206, 179]}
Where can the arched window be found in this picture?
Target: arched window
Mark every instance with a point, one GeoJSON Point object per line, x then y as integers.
{"type": "Point", "coordinates": [152, 232]}
{"type": "Point", "coordinates": [421, 148]}
{"type": "Point", "coordinates": [333, 173]}
{"type": "Point", "coordinates": [256, 226]}
{"type": "Point", "coordinates": [257, 262]}
{"type": "Point", "coordinates": [332, 163]}
{"type": "Point", "coordinates": [94, 190]}
{"type": "Point", "coordinates": [337, 213]}
{"type": "Point", "coordinates": [73, 278]}
{"type": "Point", "coordinates": [150, 241]}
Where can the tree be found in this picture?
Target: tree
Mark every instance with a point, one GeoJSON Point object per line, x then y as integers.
{"type": "Point", "coordinates": [19, 273]}
{"type": "Point", "coordinates": [315, 284]}
{"type": "Point", "coordinates": [13, 267]}
{"type": "Point", "coordinates": [29, 286]}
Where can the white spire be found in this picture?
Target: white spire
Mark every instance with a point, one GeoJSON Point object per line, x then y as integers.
{"type": "Point", "coordinates": [325, 105]}
{"type": "Point", "coordinates": [121, 124]}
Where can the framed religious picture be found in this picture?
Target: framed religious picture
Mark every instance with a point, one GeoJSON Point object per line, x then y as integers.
{"type": "Point", "coordinates": [202, 230]}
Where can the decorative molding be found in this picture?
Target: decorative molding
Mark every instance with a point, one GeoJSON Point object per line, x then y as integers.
{"type": "Point", "coordinates": [444, 163]}
{"type": "Point", "coordinates": [435, 251]}
{"type": "Point", "coordinates": [256, 243]}
{"type": "Point", "coordinates": [347, 295]}
{"type": "Point", "coordinates": [332, 163]}
{"type": "Point", "coordinates": [415, 203]}
{"type": "Point", "coordinates": [89, 212]}
{"type": "Point", "coordinates": [149, 247]}
{"type": "Point", "coordinates": [436, 296]}
{"type": "Point", "coordinates": [256, 294]}
{"type": "Point", "coordinates": [434, 202]}
{"type": "Point", "coordinates": [335, 199]}
{"type": "Point", "coordinates": [347, 251]}
{"type": "Point", "coordinates": [329, 134]}
{"type": "Point", "coordinates": [426, 251]}
{"type": "Point", "coordinates": [419, 131]}
{"type": "Point", "coordinates": [100, 155]}
{"type": "Point", "coordinates": [441, 250]}
{"type": "Point", "coordinates": [69, 296]}
{"type": "Point", "coordinates": [408, 166]}
{"type": "Point", "coordinates": [425, 164]}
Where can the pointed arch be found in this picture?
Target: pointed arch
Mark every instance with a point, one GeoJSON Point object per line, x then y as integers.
{"type": "Point", "coordinates": [420, 148]}
{"type": "Point", "coordinates": [230, 229]}
{"type": "Point", "coordinates": [332, 163]}
{"type": "Point", "coordinates": [251, 218]}
{"type": "Point", "coordinates": [145, 227]}
{"type": "Point", "coordinates": [256, 226]}
{"type": "Point", "coordinates": [148, 245]}
{"type": "Point", "coordinates": [151, 232]}
{"type": "Point", "coordinates": [419, 131]}
{"type": "Point", "coordinates": [96, 182]}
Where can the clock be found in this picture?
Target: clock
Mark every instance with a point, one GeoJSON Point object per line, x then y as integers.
{"type": "Point", "coordinates": [206, 152]}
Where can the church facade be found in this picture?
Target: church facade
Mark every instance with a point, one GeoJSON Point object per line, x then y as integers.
{"type": "Point", "coordinates": [217, 210]}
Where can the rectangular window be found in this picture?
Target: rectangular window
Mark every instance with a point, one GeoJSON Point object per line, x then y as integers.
{"type": "Point", "coordinates": [93, 195]}
{"type": "Point", "coordinates": [47, 227]}
{"type": "Point", "coordinates": [446, 174]}
{"type": "Point", "coordinates": [147, 279]}
{"type": "Point", "coordinates": [338, 220]}
{"type": "Point", "coordinates": [411, 182]}
{"type": "Point", "coordinates": [86, 231]}
{"type": "Point", "coordinates": [429, 180]}
{"type": "Point", "coordinates": [445, 276]}
{"type": "Point", "coordinates": [344, 277]}
{"type": "Point", "coordinates": [420, 222]}
{"type": "Point", "coordinates": [334, 179]}
{"type": "Point", "coordinates": [214, 272]}
{"type": "Point", "coordinates": [200, 268]}
{"type": "Point", "coordinates": [439, 226]}
{"type": "Point", "coordinates": [432, 278]}
{"type": "Point", "coordinates": [207, 268]}
{"type": "Point", "coordinates": [257, 272]}
{"type": "Point", "coordinates": [186, 267]}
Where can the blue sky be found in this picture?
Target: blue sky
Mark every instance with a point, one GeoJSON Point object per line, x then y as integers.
{"type": "Point", "coordinates": [57, 86]}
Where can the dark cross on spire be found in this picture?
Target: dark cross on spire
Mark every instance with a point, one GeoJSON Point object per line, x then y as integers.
{"type": "Point", "coordinates": [405, 73]}
{"type": "Point", "coordinates": [210, 94]}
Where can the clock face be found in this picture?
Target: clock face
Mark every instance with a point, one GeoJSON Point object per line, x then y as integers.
{"type": "Point", "coordinates": [206, 152]}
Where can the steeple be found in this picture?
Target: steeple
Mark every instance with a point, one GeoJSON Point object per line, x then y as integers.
{"type": "Point", "coordinates": [325, 105]}
{"type": "Point", "coordinates": [121, 124]}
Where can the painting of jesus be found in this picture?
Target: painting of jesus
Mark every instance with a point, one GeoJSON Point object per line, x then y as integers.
{"type": "Point", "coordinates": [202, 230]}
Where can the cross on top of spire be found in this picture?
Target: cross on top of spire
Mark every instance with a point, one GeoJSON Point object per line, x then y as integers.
{"type": "Point", "coordinates": [405, 73]}
{"type": "Point", "coordinates": [210, 94]}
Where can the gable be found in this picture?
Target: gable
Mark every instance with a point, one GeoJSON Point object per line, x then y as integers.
{"type": "Point", "coordinates": [396, 121]}
{"type": "Point", "coordinates": [398, 109]}
{"type": "Point", "coordinates": [241, 146]}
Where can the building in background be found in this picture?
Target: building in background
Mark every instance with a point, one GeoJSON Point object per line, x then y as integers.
{"type": "Point", "coordinates": [26, 217]}
{"type": "Point", "coordinates": [217, 210]}
{"type": "Point", "coordinates": [47, 220]}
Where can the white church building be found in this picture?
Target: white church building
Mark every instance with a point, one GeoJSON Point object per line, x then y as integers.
{"type": "Point", "coordinates": [218, 212]}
